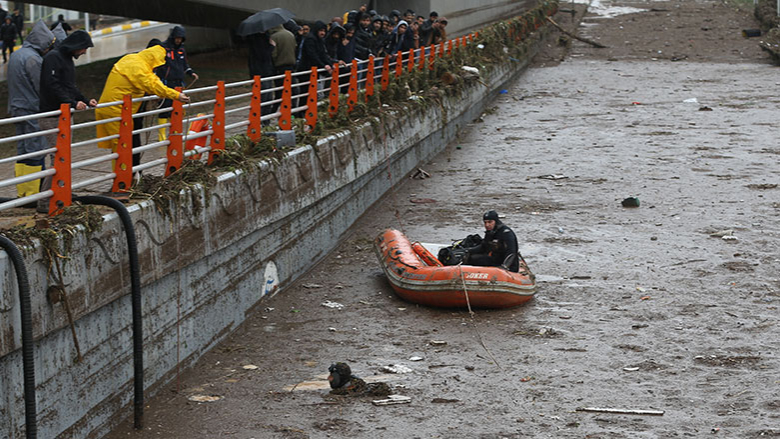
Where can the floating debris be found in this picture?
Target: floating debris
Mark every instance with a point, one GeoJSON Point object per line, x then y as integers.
{"type": "Point", "coordinates": [332, 305]}
{"type": "Point", "coordinates": [396, 368]}
{"type": "Point", "coordinates": [621, 411]}
{"type": "Point", "coordinates": [392, 400]}
{"type": "Point", "coordinates": [444, 400]}
{"type": "Point", "coordinates": [204, 398]}
{"type": "Point", "coordinates": [552, 177]}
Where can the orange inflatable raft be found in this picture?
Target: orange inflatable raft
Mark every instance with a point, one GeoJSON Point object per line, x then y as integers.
{"type": "Point", "coordinates": [417, 276]}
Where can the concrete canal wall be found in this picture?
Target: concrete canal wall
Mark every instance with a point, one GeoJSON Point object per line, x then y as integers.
{"type": "Point", "coordinates": [204, 265]}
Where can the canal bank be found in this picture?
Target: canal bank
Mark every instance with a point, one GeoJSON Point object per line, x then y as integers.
{"type": "Point", "coordinates": [207, 261]}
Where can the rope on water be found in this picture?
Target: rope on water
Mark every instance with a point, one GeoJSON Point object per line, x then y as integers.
{"type": "Point", "coordinates": [392, 187]}
{"type": "Point", "coordinates": [473, 321]}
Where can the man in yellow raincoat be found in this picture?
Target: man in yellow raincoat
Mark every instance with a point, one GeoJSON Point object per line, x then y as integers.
{"type": "Point", "coordinates": [133, 74]}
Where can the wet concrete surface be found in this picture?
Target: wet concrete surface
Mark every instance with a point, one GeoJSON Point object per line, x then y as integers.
{"type": "Point", "coordinates": [645, 308]}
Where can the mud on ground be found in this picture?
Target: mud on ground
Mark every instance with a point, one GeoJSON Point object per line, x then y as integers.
{"type": "Point", "coordinates": [647, 308]}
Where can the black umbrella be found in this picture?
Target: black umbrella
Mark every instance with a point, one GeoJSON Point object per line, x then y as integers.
{"type": "Point", "coordinates": [263, 21]}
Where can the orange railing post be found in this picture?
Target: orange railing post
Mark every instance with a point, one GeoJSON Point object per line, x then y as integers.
{"type": "Point", "coordinates": [422, 58]}
{"type": "Point", "coordinates": [311, 104]}
{"type": "Point", "coordinates": [441, 50]}
{"type": "Point", "coordinates": [449, 48]}
{"type": "Point", "coordinates": [370, 78]}
{"type": "Point", "coordinates": [432, 56]}
{"type": "Point", "coordinates": [175, 152]}
{"type": "Point", "coordinates": [255, 129]}
{"type": "Point", "coordinates": [333, 109]}
{"type": "Point", "coordinates": [457, 43]}
{"type": "Point", "coordinates": [399, 64]}
{"type": "Point", "coordinates": [285, 122]}
{"type": "Point", "coordinates": [410, 61]}
{"type": "Point", "coordinates": [353, 86]}
{"type": "Point", "coordinates": [386, 73]}
{"type": "Point", "coordinates": [123, 165]}
{"type": "Point", "coordinates": [61, 181]}
{"type": "Point", "coordinates": [463, 41]}
{"type": "Point", "coordinates": [218, 126]}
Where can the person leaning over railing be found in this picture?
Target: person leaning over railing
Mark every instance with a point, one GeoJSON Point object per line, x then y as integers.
{"type": "Point", "coordinates": [24, 76]}
{"type": "Point", "coordinates": [58, 86]}
{"type": "Point", "coordinates": [133, 74]}
{"type": "Point", "coordinates": [172, 73]}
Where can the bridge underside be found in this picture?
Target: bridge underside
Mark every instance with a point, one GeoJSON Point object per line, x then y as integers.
{"type": "Point", "coordinates": [192, 13]}
{"type": "Point", "coordinates": [227, 14]}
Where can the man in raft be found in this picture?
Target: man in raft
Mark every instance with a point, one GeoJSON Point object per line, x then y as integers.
{"type": "Point", "coordinates": [498, 249]}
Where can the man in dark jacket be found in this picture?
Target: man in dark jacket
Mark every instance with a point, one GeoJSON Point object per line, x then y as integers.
{"type": "Point", "coordinates": [8, 36]}
{"type": "Point", "coordinates": [380, 37]}
{"type": "Point", "coordinates": [427, 28]}
{"type": "Point", "coordinates": [261, 63]}
{"type": "Point", "coordinates": [176, 65]}
{"type": "Point", "coordinates": [313, 51]}
{"type": "Point", "coordinates": [333, 40]}
{"type": "Point", "coordinates": [58, 74]}
{"type": "Point", "coordinates": [363, 37]}
{"type": "Point", "coordinates": [58, 86]}
{"type": "Point", "coordinates": [19, 23]}
{"type": "Point", "coordinates": [61, 22]}
{"type": "Point", "coordinates": [498, 249]}
{"type": "Point", "coordinates": [173, 71]}
{"type": "Point", "coordinates": [24, 75]}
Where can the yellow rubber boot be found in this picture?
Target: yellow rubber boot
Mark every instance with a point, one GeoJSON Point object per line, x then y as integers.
{"type": "Point", "coordinates": [163, 131]}
{"type": "Point", "coordinates": [31, 187]}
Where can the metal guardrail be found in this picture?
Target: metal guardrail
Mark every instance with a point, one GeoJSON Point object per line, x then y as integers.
{"type": "Point", "coordinates": [181, 144]}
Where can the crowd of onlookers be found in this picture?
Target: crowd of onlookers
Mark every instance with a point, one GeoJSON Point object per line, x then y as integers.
{"type": "Point", "coordinates": [357, 34]}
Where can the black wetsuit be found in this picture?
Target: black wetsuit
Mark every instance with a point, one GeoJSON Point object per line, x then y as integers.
{"type": "Point", "coordinates": [498, 249]}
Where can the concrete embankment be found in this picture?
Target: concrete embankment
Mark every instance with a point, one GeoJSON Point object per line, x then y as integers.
{"type": "Point", "coordinates": [205, 262]}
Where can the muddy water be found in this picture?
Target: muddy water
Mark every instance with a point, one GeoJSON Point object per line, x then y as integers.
{"type": "Point", "coordinates": [637, 308]}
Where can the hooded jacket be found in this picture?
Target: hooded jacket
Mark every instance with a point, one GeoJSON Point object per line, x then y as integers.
{"type": "Point", "coordinates": [59, 35]}
{"type": "Point", "coordinates": [24, 75]}
{"type": "Point", "coordinates": [333, 45]}
{"type": "Point", "coordinates": [58, 73]}
{"type": "Point", "coordinates": [401, 41]}
{"type": "Point", "coordinates": [379, 39]}
{"type": "Point", "coordinates": [176, 65]}
{"type": "Point", "coordinates": [284, 52]}
{"type": "Point", "coordinates": [313, 51]}
{"type": "Point", "coordinates": [363, 42]}
{"type": "Point", "coordinates": [133, 74]}
{"type": "Point", "coordinates": [24, 71]}
{"type": "Point", "coordinates": [346, 52]}
{"type": "Point", "coordinates": [8, 32]}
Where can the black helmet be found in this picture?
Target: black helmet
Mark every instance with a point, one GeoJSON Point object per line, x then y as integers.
{"type": "Point", "coordinates": [490, 215]}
